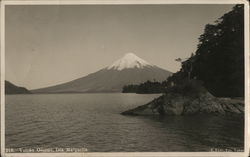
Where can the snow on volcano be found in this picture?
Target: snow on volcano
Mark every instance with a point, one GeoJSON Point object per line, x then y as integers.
{"type": "Point", "coordinates": [129, 60]}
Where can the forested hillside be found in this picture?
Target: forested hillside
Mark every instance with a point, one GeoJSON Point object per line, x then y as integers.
{"type": "Point", "coordinates": [219, 59]}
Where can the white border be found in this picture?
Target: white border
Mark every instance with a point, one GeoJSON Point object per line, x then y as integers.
{"type": "Point", "coordinates": [77, 2]}
{"type": "Point", "coordinates": [247, 78]}
{"type": "Point", "coordinates": [120, 2]}
{"type": "Point", "coordinates": [2, 33]}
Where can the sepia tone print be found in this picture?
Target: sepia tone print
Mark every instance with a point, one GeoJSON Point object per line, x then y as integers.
{"type": "Point", "coordinates": [124, 78]}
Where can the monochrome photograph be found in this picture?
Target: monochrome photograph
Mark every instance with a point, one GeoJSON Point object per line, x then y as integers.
{"type": "Point", "coordinates": [110, 78]}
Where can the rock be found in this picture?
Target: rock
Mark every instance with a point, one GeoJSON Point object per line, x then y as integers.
{"type": "Point", "coordinates": [211, 107]}
{"type": "Point", "coordinates": [230, 108]}
{"type": "Point", "coordinates": [232, 105]}
{"type": "Point", "coordinates": [192, 107]}
{"type": "Point", "coordinates": [240, 108]}
{"type": "Point", "coordinates": [177, 104]}
{"type": "Point", "coordinates": [174, 106]}
{"type": "Point", "coordinates": [147, 109]}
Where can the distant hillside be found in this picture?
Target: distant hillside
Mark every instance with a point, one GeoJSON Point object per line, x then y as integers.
{"type": "Point", "coordinates": [13, 89]}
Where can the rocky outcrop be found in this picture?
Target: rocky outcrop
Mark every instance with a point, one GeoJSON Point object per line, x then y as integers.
{"type": "Point", "coordinates": [179, 104]}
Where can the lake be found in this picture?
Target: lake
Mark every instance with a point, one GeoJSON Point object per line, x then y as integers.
{"type": "Point", "coordinates": [93, 121]}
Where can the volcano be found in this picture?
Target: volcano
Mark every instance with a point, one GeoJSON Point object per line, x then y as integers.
{"type": "Point", "coordinates": [130, 69]}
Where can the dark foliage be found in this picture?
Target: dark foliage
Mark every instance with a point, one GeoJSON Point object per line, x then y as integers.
{"type": "Point", "coordinates": [219, 59]}
{"type": "Point", "coordinates": [130, 88]}
{"type": "Point", "coordinates": [147, 87]}
{"type": "Point", "coordinates": [191, 88]}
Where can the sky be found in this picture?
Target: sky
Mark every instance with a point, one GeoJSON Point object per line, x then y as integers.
{"type": "Point", "coordinates": [52, 44]}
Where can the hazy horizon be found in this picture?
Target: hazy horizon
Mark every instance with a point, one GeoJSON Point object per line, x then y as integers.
{"type": "Point", "coordinates": [49, 45]}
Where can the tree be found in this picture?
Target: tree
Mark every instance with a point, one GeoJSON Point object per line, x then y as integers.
{"type": "Point", "coordinates": [187, 65]}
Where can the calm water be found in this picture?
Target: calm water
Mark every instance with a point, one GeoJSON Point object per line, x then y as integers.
{"type": "Point", "coordinates": [93, 121]}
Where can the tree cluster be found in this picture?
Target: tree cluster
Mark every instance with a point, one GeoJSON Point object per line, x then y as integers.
{"type": "Point", "coordinates": [219, 59]}
{"type": "Point", "coordinates": [148, 87]}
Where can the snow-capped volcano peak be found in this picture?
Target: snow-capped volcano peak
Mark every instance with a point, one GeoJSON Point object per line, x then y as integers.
{"type": "Point", "coordinates": [112, 78]}
{"type": "Point", "coordinates": [129, 60]}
